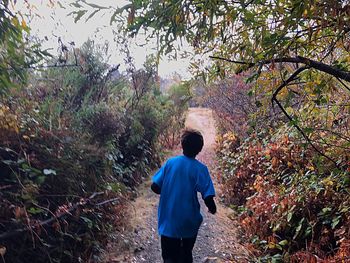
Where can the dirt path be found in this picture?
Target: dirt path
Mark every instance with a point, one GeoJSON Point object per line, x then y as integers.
{"type": "Point", "coordinates": [217, 238]}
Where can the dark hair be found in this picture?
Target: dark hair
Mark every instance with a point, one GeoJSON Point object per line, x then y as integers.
{"type": "Point", "coordinates": [191, 142]}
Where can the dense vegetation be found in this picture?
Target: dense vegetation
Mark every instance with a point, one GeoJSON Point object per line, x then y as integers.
{"type": "Point", "coordinates": [284, 165]}
{"type": "Point", "coordinates": [291, 202]}
{"type": "Point", "coordinates": [77, 138]}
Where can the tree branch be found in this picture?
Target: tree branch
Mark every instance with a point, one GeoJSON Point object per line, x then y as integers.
{"type": "Point", "coordinates": [285, 83]}
{"type": "Point", "coordinates": [56, 217]}
{"type": "Point", "coordinates": [338, 73]}
{"type": "Point", "coordinates": [290, 118]}
{"type": "Point", "coordinates": [344, 85]}
{"type": "Point", "coordinates": [250, 64]}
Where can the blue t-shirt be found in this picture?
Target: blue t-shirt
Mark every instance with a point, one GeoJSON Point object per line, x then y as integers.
{"type": "Point", "coordinates": [180, 178]}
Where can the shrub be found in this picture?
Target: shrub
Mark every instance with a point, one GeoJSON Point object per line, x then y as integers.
{"type": "Point", "coordinates": [289, 207]}
{"type": "Point", "coordinates": [70, 159]}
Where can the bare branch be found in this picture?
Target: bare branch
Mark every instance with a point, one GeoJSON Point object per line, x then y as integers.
{"type": "Point", "coordinates": [344, 85]}
{"type": "Point", "coordinates": [338, 73]}
{"type": "Point", "coordinates": [54, 218]}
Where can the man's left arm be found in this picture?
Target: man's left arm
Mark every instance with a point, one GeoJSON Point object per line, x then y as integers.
{"type": "Point", "coordinates": [210, 203]}
{"type": "Point", "coordinates": [206, 188]}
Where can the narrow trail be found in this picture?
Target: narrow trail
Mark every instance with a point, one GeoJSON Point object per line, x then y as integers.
{"type": "Point", "coordinates": [217, 239]}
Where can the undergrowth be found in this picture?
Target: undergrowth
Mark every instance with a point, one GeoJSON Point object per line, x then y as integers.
{"type": "Point", "coordinates": [292, 204]}
{"type": "Point", "coordinates": [75, 144]}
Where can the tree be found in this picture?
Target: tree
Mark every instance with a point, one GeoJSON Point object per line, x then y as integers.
{"type": "Point", "coordinates": [297, 41]}
{"type": "Point", "coordinates": [17, 50]}
{"type": "Point", "coordinates": [175, 105]}
{"type": "Point", "coordinates": [285, 44]}
{"type": "Point", "coordinates": [253, 32]}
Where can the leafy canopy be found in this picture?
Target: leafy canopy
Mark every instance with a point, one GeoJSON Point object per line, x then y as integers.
{"type": "Point", "coordinates": [250, 32]}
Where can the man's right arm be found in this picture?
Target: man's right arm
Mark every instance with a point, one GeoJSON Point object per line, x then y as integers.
{"type": "Point", "coordinates": [155, 188]}
{"type": "Point", "coordinates": [157, 180]}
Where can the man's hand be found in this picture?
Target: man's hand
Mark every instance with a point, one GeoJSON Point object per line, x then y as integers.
{"type": "Point", "coordinates": [209, 202]}
{"type": "Point", "coordinates": [155, 188]}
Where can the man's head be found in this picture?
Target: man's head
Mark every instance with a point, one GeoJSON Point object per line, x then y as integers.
{"type": "Point", "coordinates": [191, 142]}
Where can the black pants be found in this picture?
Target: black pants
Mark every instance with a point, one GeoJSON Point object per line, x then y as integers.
{"type": "Point", "coordinates": [177, 250]}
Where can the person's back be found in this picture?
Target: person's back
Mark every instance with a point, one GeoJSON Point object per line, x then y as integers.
{"type": "Point", "coordinates": [178, 182]}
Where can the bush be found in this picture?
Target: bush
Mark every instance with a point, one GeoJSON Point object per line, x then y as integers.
{"type": "Point", "coordinates": [289, 207]}
{"type": "Point", "coordinates": [174, 106]}
{"type": "Point", "coordinates": [70, 159]}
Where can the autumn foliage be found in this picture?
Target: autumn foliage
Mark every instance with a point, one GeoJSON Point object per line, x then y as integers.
{"type": "Point", "coordinates": [289, 208]}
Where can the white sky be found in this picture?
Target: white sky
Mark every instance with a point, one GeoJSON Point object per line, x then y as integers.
{"type": "Point", "coordinates": [55, 21]}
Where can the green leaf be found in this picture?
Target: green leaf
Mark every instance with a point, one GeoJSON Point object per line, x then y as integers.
{"type": "Point", "coordinates": [279, 247]}
{"type": "Point", "coordinates": [60, 5]}
{"type": "Point", "coordinates": [76, 4]}
{"type": "Point", "coordinates": [35, 210]}
{"type": "Point", "coordinates": [326, 210]}
{"type": "Point", "coordinates": [308, 231]}
{"type": "Point", "coordinates": [46, 53]}
{"type": "Point", "coordinates": [283, 242]}
{"type": "Point", "coordinates": [299, 227]}
{"type": "Point", "coordinates": [335, 221]}
{"type": "Point", "coordinates": [96, 6]}
{"type": "Point", "coordinates": [78, 14]}
{"type": "Point", "coordinates": [276, 227]}
{"type": "Point", "coordinates": [91, 15]}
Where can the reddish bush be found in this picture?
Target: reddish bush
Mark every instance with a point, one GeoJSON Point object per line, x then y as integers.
{"type": "Point", "coordinates": [289, 207]}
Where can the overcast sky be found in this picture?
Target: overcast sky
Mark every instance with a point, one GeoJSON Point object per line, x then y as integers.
{"type": "Point", "coordinates": [55, 22]}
